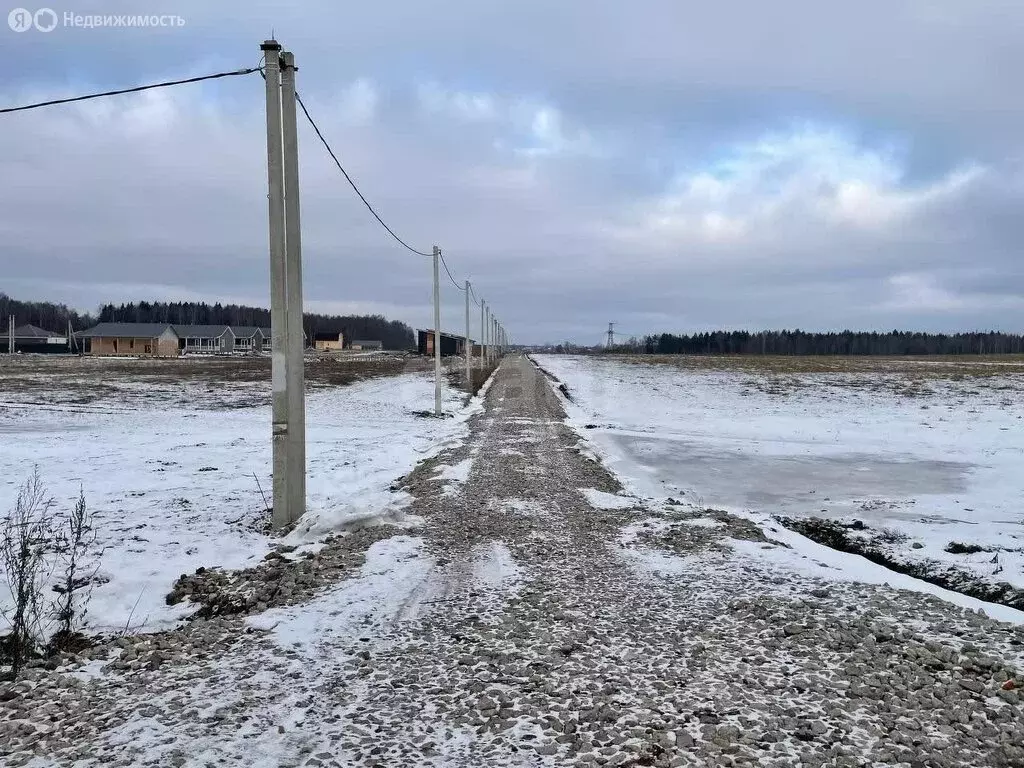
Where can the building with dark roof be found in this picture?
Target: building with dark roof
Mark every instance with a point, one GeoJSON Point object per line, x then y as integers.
{"type": "Point", "coordinates": [32, 338]}
{"type": "Point", "coordinates": [144, 339]}
{"type": "Point", "coordinates": [451, 344]}
{"type": "Point", "coordinates": [205, 339]}
{"type": "Point", "coordinates": [328, 342]}
{"type": "Point", "coordinates": [250, 339]}
{"type": "Point", "coordinates": [169, 340]}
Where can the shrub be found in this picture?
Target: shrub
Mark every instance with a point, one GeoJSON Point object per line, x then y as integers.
{"type": "Point", "coordinates": [26, 537]}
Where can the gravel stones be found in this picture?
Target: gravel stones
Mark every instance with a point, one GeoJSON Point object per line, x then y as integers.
{"type": "Point", "coordinates": [588, 652]}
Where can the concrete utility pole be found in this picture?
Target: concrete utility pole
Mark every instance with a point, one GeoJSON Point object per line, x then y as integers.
{"type": "Point", "coordinates": [278, 287]}
{"type": "Point", "coordinates": [487, 331]}
{"type": "Point", "coordinates": [468, 346]}
{"type": "Point", "coordinates": [296, 380]}
{"type": "Point", "coordinates": [483, 338]}
{"type": "Point", "coordinates": [437, 334]}
{"type": "Point", "coordinates": [10, 334]}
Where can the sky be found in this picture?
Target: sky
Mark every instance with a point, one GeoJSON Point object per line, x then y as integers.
{"type": "Point", "coordinates": [666, 165]}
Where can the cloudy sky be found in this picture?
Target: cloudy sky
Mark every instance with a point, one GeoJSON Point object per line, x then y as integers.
{"type": "Point", "coordinates": [664, 164]}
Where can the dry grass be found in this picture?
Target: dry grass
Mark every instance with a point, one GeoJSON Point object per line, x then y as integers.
{"type": "Point", "coordinates": [83, 380]}
{"type": "Point", "coordinates": [916, 376]}
{"type": "Point", "coordinates": [942, 366]}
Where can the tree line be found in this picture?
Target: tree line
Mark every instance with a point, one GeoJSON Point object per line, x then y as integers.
{"type": "Point", "coordinates": [797, 342]}
{"type": "Point", "coordinates": [393, 334]}
{"type": "Point", "coordinates": [43, 314]}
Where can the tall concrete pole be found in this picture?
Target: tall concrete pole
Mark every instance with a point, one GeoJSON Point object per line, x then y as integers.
{"type": "Point", "coordinates": [293, 273]}
{"type": "Point", "coordinates": [468, 347]}
{"type": "Point", "coordinates": [483, 340]}
{"type": "Point", "coordinates": [278, 285]}
{"type": "Point", "coordinates": [10, 334]}
{"type": "Point", "coordinates": [487, 330]}
{"type": "Point", "coordinates": [437, 334]}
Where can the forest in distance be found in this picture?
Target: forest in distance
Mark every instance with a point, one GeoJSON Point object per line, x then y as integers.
{"type": "Point", "coordinates": [398, 335]}
{"type": "Point", "coordinates": [797, 342]}
{"type": "Point", "coordinates": [55, 317]}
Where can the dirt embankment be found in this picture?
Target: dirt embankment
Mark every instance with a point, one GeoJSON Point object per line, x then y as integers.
{"type": "Point", "coordinates": [857, 539]}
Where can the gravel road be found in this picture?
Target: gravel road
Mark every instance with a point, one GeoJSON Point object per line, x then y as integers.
{"type": "Point", "coordinates": [535, 628]}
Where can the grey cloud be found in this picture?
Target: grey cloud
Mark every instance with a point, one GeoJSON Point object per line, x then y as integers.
{"type": "Point", "coordinates": [172, 202]}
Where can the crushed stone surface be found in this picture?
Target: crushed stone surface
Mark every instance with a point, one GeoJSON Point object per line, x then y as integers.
{"type": "Point", "coordinates": [520, 625]}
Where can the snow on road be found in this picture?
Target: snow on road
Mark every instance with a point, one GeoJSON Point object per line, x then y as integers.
{"type": "Point", "coordinates": [176, 486]}
{"type": "Point", "coordinates": [540, 615]}
{"type": "Point", "coordinates": [384, 591]}
{"type": "Point", "coordinates": [938, 465]}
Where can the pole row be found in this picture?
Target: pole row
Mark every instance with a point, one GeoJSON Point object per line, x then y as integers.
{"type": "Point", "coordinates": [288, 427]}
{"type": "Point", "coordinates": [493, 338]}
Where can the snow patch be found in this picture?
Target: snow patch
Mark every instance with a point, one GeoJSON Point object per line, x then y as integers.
{"type": "Point", "coordinates": [602, 500]}
{"type": "Point", "coordinates": [495, 567]}
{"type": "Point", "coordinates": [937, 467]}
{"type": "Point", "coordinates": [386, 589]}
{"type": "Point", "coordinates": [176, 485]}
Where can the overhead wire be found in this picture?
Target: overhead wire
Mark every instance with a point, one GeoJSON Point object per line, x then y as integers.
{"type": "Point", "coordinates": [445, 265]}
{"type": "Point", "coordinates": [355, 188]}
{"type": "Point", "coordinates": [367, 203]}
{"type": "Point", "coordinates": [136, 89]}
{"type": "Point", "coordinates": [305, 112]}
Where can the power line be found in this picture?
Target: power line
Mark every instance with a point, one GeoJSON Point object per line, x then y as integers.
{"type": "Point", "coordinates": [136, 89]}
{"type": "Point", "coordinates": [445, 265]}
{"type": "Point", "coordinates": [366, 202]}
{"type": "Point", "coordinates": [353, 184]}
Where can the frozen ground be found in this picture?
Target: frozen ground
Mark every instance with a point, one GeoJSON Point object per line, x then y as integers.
{"type": "Point", "coordinates": [539, 615]}
{"type": "Point", "coordinates": [923, 452]}
{"type": "Point", "coordinates": [173, 467]}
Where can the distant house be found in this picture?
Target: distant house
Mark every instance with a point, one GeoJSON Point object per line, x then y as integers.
{"type": "Point", "coordinates": [205, 339]}
{"type": "Point", "coordinates": [167, 340]}
{"type": "Point", "coordinates": [451, 344]}
{"type": "Point", "coordinates": [328, 342]}
{"type": "Point", "coordinates": [365, 344]}
{"type": "Point", "coordinates": [249, 338]}
{"type": "Point", "coordinates": [31, 338]}
{"type": "Point", "coordinates": [268, 338]}
{"type": "Point", "coordinates": [146, 339]}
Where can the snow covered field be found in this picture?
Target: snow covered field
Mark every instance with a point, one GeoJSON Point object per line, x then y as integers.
{"type": "Point", "coordinates": [925, 453]}
{"type": "Point", "coordinates": [173, 469]}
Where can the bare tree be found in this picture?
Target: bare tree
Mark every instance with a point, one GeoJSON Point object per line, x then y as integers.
{"type": "Point", "coordinates": [25, 537]}
{"type": "Point", "coordinates": [75, 543]}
